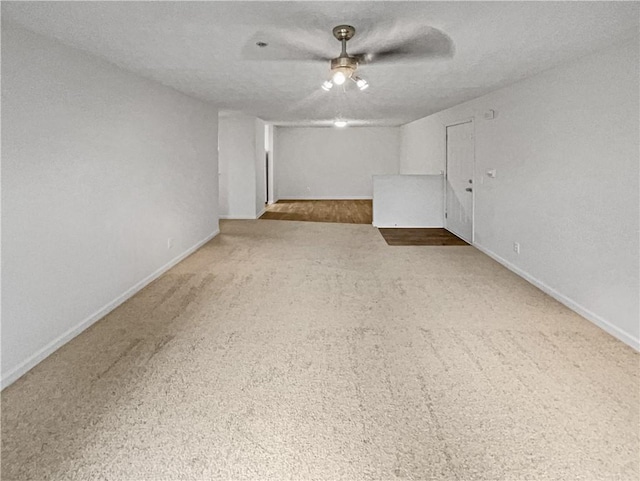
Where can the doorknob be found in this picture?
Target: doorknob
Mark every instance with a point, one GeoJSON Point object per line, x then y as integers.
{"type": "Point", "coordinates": [469, 189]}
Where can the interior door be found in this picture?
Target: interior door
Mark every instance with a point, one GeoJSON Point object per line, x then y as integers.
{"type": "Point", "coordinates": [459, 180]}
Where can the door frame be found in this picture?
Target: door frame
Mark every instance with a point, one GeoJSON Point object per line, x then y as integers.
{"type": "Point", "coordinates": [266, 177]}
{"type": "Point", "coordinates": [473, 170]}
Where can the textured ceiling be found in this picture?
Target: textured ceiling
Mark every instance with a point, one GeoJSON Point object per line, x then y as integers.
{"type": "Point", "coordinates": [207, 49]}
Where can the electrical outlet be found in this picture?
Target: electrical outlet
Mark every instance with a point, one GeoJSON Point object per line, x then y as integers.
{"type": "Point", "coordinates": [516, 247]}
{"type": "Point", "coordinates": [169, 242]}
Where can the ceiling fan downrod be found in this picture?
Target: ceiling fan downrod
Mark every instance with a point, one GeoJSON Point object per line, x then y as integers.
{"type": "Point", "coordinates": [343, 33]}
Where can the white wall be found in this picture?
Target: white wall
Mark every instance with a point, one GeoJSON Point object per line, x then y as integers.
{"type": "Point", "coordinates": [237, 147]}
{"type": "Point", "coordinates": [417, 152]}
{"type": "Point", "coordinates": [241, 143]}
{"type": "Point", "coordinates": [99, 169]}
{"type": "Point", "coordinates": [332, 163]}
{"type": "Point", "coordinates": [565, 146]}
{"type": "Point", "coordinates": [408, 200]}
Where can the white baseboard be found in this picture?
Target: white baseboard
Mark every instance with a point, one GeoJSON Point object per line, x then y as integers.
{"type": "Point", "coordinates": [54, 345]}
{"type": "Point", "coordinates": [574, 306]}
{"type": "Point", "coordinates": [408, 226]}
{"type": "Point", "coordinates": [243, 217]}
{"type": "Point", "coordinates": [237, 217]}
{"type": "Point", "coordinates": [352, 197]}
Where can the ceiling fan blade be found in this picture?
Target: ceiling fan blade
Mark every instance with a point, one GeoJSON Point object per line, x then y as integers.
{"type": "Point", "coordinates": [421, 43]}
{"type": "Point", "coordinates": [289, 47]}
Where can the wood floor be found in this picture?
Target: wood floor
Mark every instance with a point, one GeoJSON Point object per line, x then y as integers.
{"type": "Point", "coordinates": [341, 211]}
{"type": "Point", "coordinates": [420, 237]}
{"type": "Point", "coordinates": [357, 212]}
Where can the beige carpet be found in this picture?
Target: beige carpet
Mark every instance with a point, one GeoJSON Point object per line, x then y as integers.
{"type": "Point", "coordinates": [296, 350]}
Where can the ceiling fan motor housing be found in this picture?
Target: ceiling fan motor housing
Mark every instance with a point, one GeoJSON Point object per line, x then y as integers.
{"type": "Point", "coordinates": [344, 63]}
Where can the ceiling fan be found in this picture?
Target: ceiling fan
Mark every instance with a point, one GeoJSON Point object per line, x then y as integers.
{"type": "Point", "coordinates": [344, 66]}
{"type": "Point", "coordinates": [390, 43]}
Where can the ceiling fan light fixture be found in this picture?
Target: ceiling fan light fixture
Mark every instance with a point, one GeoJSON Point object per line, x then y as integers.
{"type": "Point", "coordinates": [342, 68]}
{"type": "Point", "coordinates": [339, 77]}
{"type": "Point", "coordinates": [361, 83]}
{"type": "Point", "coordinates": [326, 85]}
{"type": "Point", "coordinates": [340, 123]}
